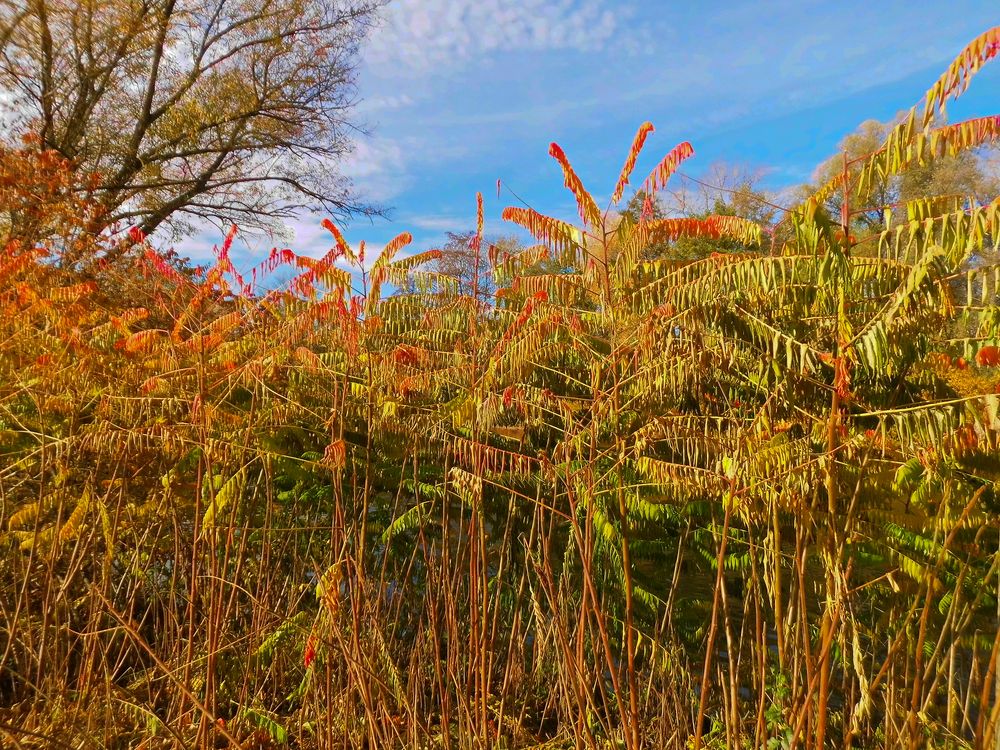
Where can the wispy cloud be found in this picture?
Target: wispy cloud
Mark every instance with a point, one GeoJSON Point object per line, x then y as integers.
{"type": "Point", "coordinates": [385, 103]}
{"type": "Point", "coordinates": [380, 166]}
{"type": "Point", "coordinates": [440, 223]}
{"type": "Point", "coordinates": [422, 34]}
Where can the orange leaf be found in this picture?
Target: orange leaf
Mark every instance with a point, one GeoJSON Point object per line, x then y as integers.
{"type": "Point", "coordinates": [589, 211]}
{"type": "Point", "coordinates": [637, 143]}
{"type": "Point", "coordinates": [662, 172]}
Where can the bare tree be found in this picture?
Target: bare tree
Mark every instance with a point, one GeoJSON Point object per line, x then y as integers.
{"type": "Point", "coordinates": [723, 190]}
{"type": "Point", "coordinates": [219, 110]}
{"type": "Point", "coordinates": [473, 271]}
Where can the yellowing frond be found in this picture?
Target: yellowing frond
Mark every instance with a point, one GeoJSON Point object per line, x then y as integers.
{"type": "Point", "coordinates": [956, 79]}
{"type": "Point", "coordinates": [395, 244]}
{"type": "Point", "coordinates": [74, 524]}
{"type": "Point", "coordinates": [562, 237]}
{"type": "Point", "coordinates": [230, 491]}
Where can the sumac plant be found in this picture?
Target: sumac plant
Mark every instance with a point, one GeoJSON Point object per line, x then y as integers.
{"type": "Point", "coordinates": [611, 499]}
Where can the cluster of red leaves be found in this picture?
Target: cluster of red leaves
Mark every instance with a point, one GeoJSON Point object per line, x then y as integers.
{"type": "Point", "coordinates": [509, 393]}
{"type": "Point", "coordinates": [406, 356]}
{"type": "Point", "coordinates": [988, 356]}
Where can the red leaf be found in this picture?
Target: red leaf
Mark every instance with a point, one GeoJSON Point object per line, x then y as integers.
{"type": "Point", "coordinates": [310, 652]}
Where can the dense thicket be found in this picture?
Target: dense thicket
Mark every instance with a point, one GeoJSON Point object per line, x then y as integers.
{"type": "Point", "coordinates": [614, 499]}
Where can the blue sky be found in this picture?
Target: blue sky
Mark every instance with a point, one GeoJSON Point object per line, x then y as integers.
{"type": "Point", "coordinates": [459, 93]}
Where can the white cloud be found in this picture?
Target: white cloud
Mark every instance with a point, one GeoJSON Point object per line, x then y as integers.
{"type": "Point", "coordinates": [441, 223]}
{"type": "Point", "coordinates": [378, 168]}
{"type": "Point", "coordinates": [382, 167]}
{"type": "Point", "coordinates": [421, 34]}
{"type": "Point", "coordinates": [385, 103]}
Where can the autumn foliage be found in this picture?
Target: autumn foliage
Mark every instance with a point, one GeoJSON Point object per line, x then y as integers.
{"type": "Point", "coordinates": [624, 501]}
